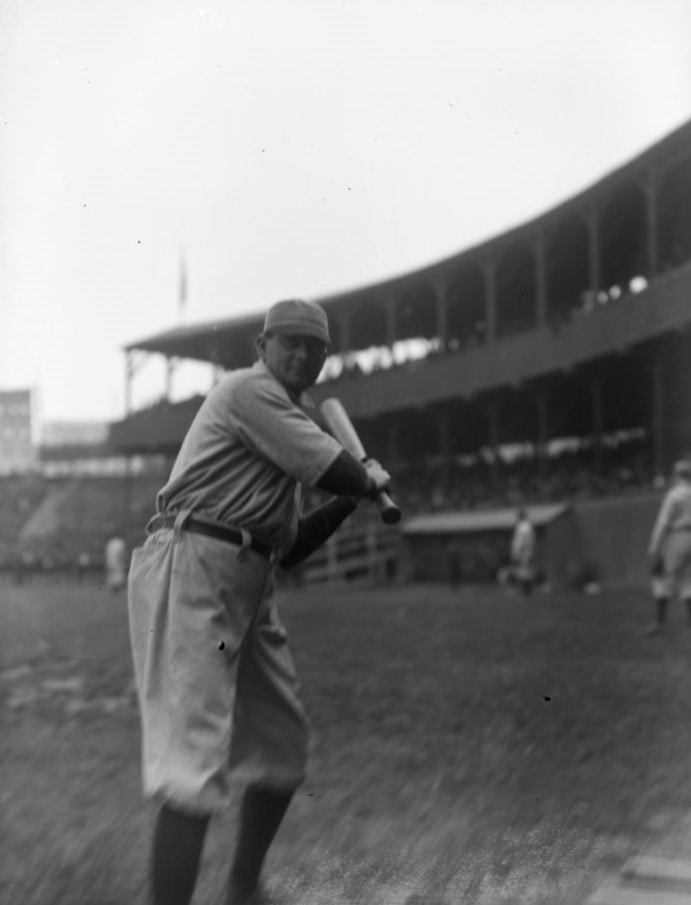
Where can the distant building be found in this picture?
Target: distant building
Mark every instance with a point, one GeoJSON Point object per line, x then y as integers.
{"type": "Point", "coordinates": [73, 433]}
{"type": "Point", "coordinates": [78, 448]}
{"type": "Point", "coordinates": [17, 449]}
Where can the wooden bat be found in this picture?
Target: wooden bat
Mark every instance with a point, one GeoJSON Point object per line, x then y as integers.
{"type": "Point", "coordinates": [342, 428]}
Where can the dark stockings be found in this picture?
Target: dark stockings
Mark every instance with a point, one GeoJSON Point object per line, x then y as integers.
{"type": "Point", "coordinates": [261, 813]}
{"type": "Point", "coordinates": [179, 840]}
{"type": "Point", "coordinates": [178, 843]}
{"type": "Point", "coordinates": [661, 610]}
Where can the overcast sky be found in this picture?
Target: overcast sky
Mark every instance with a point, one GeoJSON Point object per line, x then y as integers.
{"type": "Point", "coordinates": [288, 148]}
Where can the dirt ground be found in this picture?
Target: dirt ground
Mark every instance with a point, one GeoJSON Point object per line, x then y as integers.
{"type": "Point", "coordinates": [469, 747]}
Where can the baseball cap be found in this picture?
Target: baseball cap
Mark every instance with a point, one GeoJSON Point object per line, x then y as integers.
{"type": "Point", "coordinates": [683, 468]}
{"type": "Point", "coordinates": [295, 317]}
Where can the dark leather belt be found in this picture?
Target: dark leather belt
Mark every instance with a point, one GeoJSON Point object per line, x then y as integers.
{"type": "Point", "coordinates": [218, 532]}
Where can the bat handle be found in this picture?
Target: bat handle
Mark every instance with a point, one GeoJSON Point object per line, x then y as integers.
{"type": "Point", "coordinates": [389, 511]}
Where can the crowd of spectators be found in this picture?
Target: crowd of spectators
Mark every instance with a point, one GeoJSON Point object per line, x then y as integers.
{"type": "Point", "coordinates": [405, 353]}
{"type": "Point", "coordinates": [20, 496]}
{"type": "Point", "coordinates": [487, 482]}
{"type": "Point", "coordinates": [62, 525]}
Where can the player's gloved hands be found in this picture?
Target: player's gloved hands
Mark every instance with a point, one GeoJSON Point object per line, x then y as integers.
{"type": "Point", "coordinates": [379, 477]}
{"type": "Point", "coordinates": [657, 566]}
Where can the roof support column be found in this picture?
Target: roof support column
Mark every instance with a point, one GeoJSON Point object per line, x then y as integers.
{"type": "Point", "coordinates": [344, 332]}
{"type": "Point", "coordinates": [657, 397]}
{"type": "Point", "coordinates": [171, 364]}
{"type": "Point", "coordinates": [215, 353]}
{"type": "Point", "coordinates": [651, 223]}
{"type": "Point", "coordinates": [597, 424]}
{"type": "Point", "coordinates": [133, 361]}
{"type": "Point", "coordinates": [129, 375]}
{"type": "Point", "coordinates": [126, 499]}
{"type": "Point", "coordinates": [493, 439]}
{"type": "Point", "coordinates": [592, 221]}
{"type": "Point", "coordinates": [543, 431]}
{"type": "Point", "coordinates": [540, 280]}
{"type": "Point", "coordinates": [217, 369]}
{"type": "Point", "coordinates": [440, 297]}
{"type": "Point", "coordinates": [489, 270]}
{"type": "Point", "coordinates": [391, 322]}
{"type": "Point", "coordinates": [445, 450]}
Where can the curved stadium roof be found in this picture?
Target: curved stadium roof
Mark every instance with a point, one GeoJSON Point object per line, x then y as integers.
{"type": "Point", "coordinates": [227, 342]}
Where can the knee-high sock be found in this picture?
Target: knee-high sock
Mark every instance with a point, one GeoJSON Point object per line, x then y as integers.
{"type": "Point", "coordinates": [178, 843]}
{"type": "Point", "coordinates": [661, 610]}
{"type": "Point", "coordinates": [261, 813]}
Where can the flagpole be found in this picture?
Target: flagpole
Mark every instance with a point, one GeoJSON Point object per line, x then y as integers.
{"type": "Point", "coordinates": [182, 288]}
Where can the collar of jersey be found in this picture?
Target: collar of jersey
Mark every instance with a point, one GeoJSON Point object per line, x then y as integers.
{"type": "Point", "coordinates": [303, 400]}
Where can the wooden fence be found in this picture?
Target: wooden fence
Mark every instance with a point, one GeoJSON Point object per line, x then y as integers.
{"type": "Point", "coordinates": [367, 554]}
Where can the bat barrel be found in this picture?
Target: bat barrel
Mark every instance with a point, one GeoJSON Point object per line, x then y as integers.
{"type": "Point", "coordinates": [344, 431]}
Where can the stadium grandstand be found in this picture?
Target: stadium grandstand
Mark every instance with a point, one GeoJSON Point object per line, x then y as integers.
{"type": "Point", "coordinates": [17, 418]}
{"type": "Point", "coordinates": [574, 324]}
{"type": "Point", "coordinates": [65, 493]}
{"type": "Point", "coordinates": [546, 365]}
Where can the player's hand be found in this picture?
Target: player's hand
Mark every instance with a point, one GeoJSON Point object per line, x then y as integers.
{"type": "Point", "coordinates": [379, 477]}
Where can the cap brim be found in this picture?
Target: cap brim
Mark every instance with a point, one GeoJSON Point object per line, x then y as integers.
{"type": "Point", "coordinates": [299, 330]}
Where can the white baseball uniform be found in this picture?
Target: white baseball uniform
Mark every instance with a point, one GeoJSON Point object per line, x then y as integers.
{"type": "Point", "coordinates": [216, 680]}
{"type": "Point", "coordinates": [671, 539]}
{"type": "Point", "coordinates": [523, 550]}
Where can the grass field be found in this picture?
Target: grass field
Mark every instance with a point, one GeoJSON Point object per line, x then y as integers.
{"type": "Point", "coordinates": [469, 748]}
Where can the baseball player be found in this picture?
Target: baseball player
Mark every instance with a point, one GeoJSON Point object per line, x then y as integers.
{"type": "Point", "coordinates": [218, 692]}
{"type": "Point", "coordinates": [523, 552]}
{"type": "Point", "coordinates": [115, 559]}
{"type": "Point", "coordinates": [669, 551]}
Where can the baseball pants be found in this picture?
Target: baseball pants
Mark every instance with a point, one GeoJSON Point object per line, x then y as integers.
{"type": "Point", "coordinates": [676, 581]}
{"type": "Point", "coordinates": [218, 691]}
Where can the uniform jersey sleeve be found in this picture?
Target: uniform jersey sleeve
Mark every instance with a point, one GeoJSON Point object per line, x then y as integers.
{"type": "Point", "coordinates": [267, 421]}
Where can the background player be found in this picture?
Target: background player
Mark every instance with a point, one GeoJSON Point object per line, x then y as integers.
{"type": "Point", "coordinates": [669, 550]}
{"type": "Point", "coordinates": [115, 560]}
{"type": "Point", "coordinates": [218, 691]}
{"type": "Point", "coordinates": [523, 552]}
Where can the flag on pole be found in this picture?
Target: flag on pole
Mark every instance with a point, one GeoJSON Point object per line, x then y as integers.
{"type": "Point", "coordinates": [182, 288]}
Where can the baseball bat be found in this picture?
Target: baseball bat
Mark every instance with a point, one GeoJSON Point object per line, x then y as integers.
{"type": "Point", "coordinates": [344, 431]}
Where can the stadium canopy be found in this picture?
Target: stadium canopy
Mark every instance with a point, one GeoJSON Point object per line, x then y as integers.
{"type": "Point", "coordinates": [477, 521]}
{"type": "Point", "coordinates": [576, 323]}
{"type": "Point", "coordinates": [212, 341]}
{"type": "Point", "coordinates": [229, 342]}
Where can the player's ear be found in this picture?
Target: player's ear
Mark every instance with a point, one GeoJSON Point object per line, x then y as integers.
{"type": "Point", "coordinates": [260, 346]}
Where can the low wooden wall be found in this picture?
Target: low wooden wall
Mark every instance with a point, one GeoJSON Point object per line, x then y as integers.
{"type": "Point", "coordinates": [612, 535]}
{"type": "Point", "coordinates": [601, 540]}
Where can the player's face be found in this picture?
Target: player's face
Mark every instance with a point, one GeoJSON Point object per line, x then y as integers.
{"type": "Point", "coordinates": [294, 360]}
